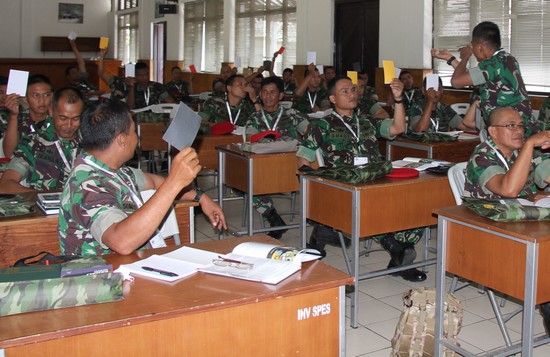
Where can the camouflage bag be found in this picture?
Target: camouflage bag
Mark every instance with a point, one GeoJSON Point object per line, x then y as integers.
{"type": "Point", "coordinates": [429, 137]}
{"type": "Point", "coordinates": [14, 205]}
{"type": "Point", "coordinates": [40, 287]}
{"type": "Point", "coordinates": [266, 146]}
{"type": "Point", "coordinates": [354, 174]}
{"type": "Point", "coordinates": [506, 210]}
{"type": "Point", "coordinates": [150, 117]}
{"type": "Point", "coordinates": [414, 334]}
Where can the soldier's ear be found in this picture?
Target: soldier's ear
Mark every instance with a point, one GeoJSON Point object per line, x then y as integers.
{"type": "Point", "coordinates": [332, 99]}
{"type": "Point", "coordinates": [492, 132]}
{"type": "Point", "coordinates": [120, 139]}
{"type": "Point", "coordinates": [281, 96]}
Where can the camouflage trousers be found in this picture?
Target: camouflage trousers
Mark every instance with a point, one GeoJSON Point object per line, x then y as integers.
{"type": "Point", "coordinates": [262, 203]}
{"type": "Point", "coordinates": [407, 236]}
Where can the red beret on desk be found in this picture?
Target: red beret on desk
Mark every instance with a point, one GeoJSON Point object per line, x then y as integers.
{"type": "Point", "coordinates": [271, 134]}
{"type": "Point", "coordinates": [222, 128]}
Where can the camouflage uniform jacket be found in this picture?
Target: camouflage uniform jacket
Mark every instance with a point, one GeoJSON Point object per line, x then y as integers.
{"type": "Point", "coordinates": [368, 105]}
{"type": "Point", "coordinates": [443, 117]}
{"type": "Point", "coordinates": [84, 85]}
{"type": "Point", "coordinates": [119, 88]}
{"type": "Point", "coordinates": [289, 88]}
{"type": "Point", "coordinates": [291, 122]}
{"type": "Point", "coordinates": [370, 93]}
{"type": "Point", "coordinates": [4, 116]}
{"type": "Point", "coordinates": [157, 93]}
{"type": "Point", "coordinates": [214, 110]}
{"type": "Point", "coordinates": [94, 198]}
{"type": "Point", "coordinates": [485, 164]}
{"type": "Point", "coordinates": [26, 126]}
{"type": "Point", "coordinates": [338, 145]}
{"type": "Point", "coordinates": [410, 97]}
{"type": "Point", "coordinates": [319, 98]}
{"type": "Point", "coordinates": [544, 115]}
{"type": "Point", "coordinates": [39, 161]}
{"type": "Point", "coordinates": [501, 85]}
{"type": "Point", "coordinates": [178, 90]}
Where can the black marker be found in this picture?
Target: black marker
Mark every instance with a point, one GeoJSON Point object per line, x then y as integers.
{"type": "Point", "coordinates": [161, 272]}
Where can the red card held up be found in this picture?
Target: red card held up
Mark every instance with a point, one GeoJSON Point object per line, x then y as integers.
{"type": "Point", "coordinates": [281, 50]}
{"type": "Point", "coordinates": [192, 68]}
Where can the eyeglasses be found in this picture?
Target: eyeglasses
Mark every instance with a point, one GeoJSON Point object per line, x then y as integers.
{"type": "Point", "coordinates": [225, 262]}
{"type": "Point", "coordinates": [512, 126]}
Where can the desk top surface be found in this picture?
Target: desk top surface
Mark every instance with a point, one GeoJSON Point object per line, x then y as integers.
{"type": "Point", "coordinates": [236, 149]}
{"type": "Point", "coordinates": [149, 300]}
{"type": "Point", "coordinates": [471, 142]}
{"type": "Point", "coordinates": [423, 178]}
{"type": "Point", "coordinates": [534, 231]}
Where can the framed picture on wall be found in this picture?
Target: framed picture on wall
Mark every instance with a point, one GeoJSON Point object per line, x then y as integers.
{"type": "Point", "coordinates": [71, 13]}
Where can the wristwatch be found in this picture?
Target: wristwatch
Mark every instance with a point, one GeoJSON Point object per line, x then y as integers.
{"type": "Point", "coordinates": [198, 195]}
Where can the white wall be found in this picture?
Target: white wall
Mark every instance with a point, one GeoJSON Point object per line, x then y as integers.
{"type": "Point", "coordinates": [405, 29]}
{"type": "Point", "coordinates": [23, 22]}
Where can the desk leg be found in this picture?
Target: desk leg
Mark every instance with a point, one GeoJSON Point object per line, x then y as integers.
{"type": "Point", "coordinates": [342, 308]}
{"type": "Point", "coordinates": [388, 151]}
{"type": "Point", "coordinates": [221, 175]}
{"type": "Point", "coordinates": [440, 284]}
{"type": "Point", "coordinates": [356, 203]}
{"type": "Point", "coordinates": [303, 217]}
{"type": "Point", "coordinates": [250, 196]}
{"type": "Point", "coordinates": [531, 261]}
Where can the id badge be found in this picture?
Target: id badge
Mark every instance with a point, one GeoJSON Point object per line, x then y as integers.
{"type": "Point", "coordinates": [157, 241]}
{"type": "Point", "coordinates": [360, 160]}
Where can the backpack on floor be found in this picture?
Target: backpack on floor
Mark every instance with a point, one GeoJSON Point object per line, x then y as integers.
{"type": "Point", "coordinates": [414, 334]}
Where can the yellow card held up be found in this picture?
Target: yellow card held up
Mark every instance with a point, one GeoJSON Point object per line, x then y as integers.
{"type": "Point", "coordinates": [389, 71]}
{"type": "Point", "coordinates": [353, 76]}
{"type": "Point", "coordinates": [103, 42]}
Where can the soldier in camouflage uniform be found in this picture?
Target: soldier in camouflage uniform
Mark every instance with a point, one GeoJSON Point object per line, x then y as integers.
{"type": "Point", "coordinates": [497, 75]}
{"type": "Point", "coordinates": [23, 122]}
{"type": "Point", "coordinates": [544, 115]}
{"type": "Point", "coordinates": [430, 115]}
{"type": "Point", "coordinates": [179, 89]}
{"type": "Point", "coordinates": [143, 92]}
{"type": "Point", "coordinates": [44, 162]}
{"type": "Point", "coordinates": [344, 138]}
{"type": "Point", "coordinates": [119, 87]}
{"type": "Point", "coordinates": [411, 94]}
{"type": "Point", "coordinates": [367, 102]}
{"type": "Point", "coordinates": [310, 96]}
{"type": "Point", "coordinates": [506, 166]}
{"type": "Point", "coordinates": [101, 209]}
{"type": "Point", "coordinates": [77, 75]}
{"type": "Point", "coordinates": [289, 81]}
{"type": "Point", "coordinates": [239, 104]}
{"type": "Point", "coordinates": [289, 122]}
{"type": "Point", "coordinates": [4, 112]}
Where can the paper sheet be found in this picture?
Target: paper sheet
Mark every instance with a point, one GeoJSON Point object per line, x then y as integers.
{"type": "Point", "coordinates": [130, 70]}
{"type": "Point", "coordinates": [389, 71]}
{"type": "Point", "coordinates": [17, 82]}
{"type": "Point", "coordinates": [432, 81]}
{"type": "Point", "coordinates": [72, 35]}
{"type": "Point", "coordinates": [311, 57]}
{"type": "Point", "coordinates": [353, 76]}
{"type": "Point", "coordinates": [103, 42]}
{"type": "Point", "coordinates": [184, 128]}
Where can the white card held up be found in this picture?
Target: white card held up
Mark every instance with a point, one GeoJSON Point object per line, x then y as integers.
{"type": "Point", "coordinates": [17, 82]}
{"type": "Point", "coordinates": [397, 72]}
{"type": "Point", "coordinates": [311, 57]}
{"type": "Point", "coordinates": [130, 70]}
{"type": "Point", "coordinates": [184, 128]}
{"type": "Point", "coordinates": [72, 36]}
{"type": "Point", "coordinates": [238, 62]}
{"type": "Point", "coordinates": [432, 81]}
{"type": "Point", "coordinates": [321, 69]}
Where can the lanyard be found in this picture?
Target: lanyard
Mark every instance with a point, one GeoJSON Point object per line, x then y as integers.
{"type": "Point", "coordinates": [355, 135]}
{"type": "Point", "coordinates": [131, 188]}
{"type": "Point", "coordinates": [311, 102]}
{"type": "Point", "coordinates": [63, 157]}
{"type": "Point", "coordinates": [286, 86]}
{"type": "Point", "coordinates": [147, 95]}
{"type": "Point", "coordinates": [276, 121]}
{"type": "Point", "coordinates": [234, 122]}
{"type": "Point", "coordinates": [411, 97]}
{"type": "Point", "coordinates": [435, 123]}
{"type": "Point", "coordinates": [499, 156]}
{"type": "Point", "coordinates": [178, 86]}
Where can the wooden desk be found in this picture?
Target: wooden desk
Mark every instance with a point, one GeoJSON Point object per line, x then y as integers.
{"type": "Point", "coordinates": [454, 151]}
{"type": "Point", "coordinates": [380, 206]}
{"type": "Point", "coordinates": [513, 258]}
{"type": "Point", "coordinates": [256, 174]}
{"type": "Point", "coordinates": [29, 234]}
{"type": "Point", "coordinates": [205, 145]}
{"type": "Point", "coordinates": [202, 315]}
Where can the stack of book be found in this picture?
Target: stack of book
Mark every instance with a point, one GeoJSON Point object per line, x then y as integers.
{"type": "Point", "coordinates": [49, 202]}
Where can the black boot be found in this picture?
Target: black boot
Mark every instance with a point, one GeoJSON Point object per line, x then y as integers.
{"type": "Point", "coordinates": [402, 254]}
{"type": "Point", "coordinates": [316, 242]}
{"type": "Point", "coordinates": [545, 312]}
{"type": "Point", "coordinates": [274, 220]}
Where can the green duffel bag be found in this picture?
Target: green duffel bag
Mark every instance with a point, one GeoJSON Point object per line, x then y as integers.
{"type": "Point", "coordinates": [429, 137]}
{"type": "Point", "coordinates": [14, 205]}
{"type": "Point", "coordinates": [506, 210]}
{"type": "Point", "coordinates": [354, 174]}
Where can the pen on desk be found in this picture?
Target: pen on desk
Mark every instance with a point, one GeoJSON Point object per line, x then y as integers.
{"type": "Point", "coordinates": [161, 272]}
{"type": "Point", "coordinates": [232, 260]}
